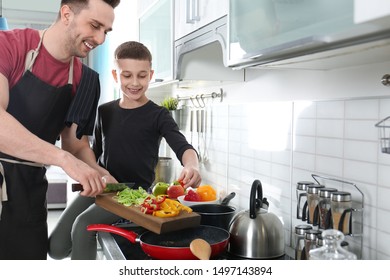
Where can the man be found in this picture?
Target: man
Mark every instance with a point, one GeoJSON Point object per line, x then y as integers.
{"type": "Point", "coordinates": [46, 93]}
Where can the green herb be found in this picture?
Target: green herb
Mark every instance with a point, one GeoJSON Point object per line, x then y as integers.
{"type": "Point", "coordinates": [170, 103]}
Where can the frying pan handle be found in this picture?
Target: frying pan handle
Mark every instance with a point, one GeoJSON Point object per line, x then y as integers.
{"type": "Point", "coordinates": [130, 235]}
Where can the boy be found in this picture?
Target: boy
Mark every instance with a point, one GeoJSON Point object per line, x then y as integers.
{"type": "Point", "coordinates": [126, 141]}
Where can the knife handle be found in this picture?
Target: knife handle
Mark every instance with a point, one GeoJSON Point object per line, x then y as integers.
{"type": "Point", "coordinates": [77, 187]}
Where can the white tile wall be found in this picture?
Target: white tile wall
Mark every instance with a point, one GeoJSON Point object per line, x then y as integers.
{"type": "Point", "coordinates": [282, 126]}
{"type": "Point", "coordinates": [335, 139]}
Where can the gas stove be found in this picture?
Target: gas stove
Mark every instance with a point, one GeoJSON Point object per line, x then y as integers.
{"type": "Point", "coordinates": [115, 247]}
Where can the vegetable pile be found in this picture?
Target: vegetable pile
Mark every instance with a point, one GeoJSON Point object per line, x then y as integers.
{"type": "Point", "coordinates": [159, 206]}
{"type": "Point", "coordinates": [163, 207]}
{"type": "Point", "coordinates": [130, 197]}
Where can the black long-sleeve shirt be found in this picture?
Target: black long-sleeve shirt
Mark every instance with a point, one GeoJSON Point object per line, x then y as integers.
{"type": "Point", "coordinates": [126, 141]}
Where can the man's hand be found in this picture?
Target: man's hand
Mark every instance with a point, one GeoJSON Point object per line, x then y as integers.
{"type": "Point", "coordinates": [91, 180]}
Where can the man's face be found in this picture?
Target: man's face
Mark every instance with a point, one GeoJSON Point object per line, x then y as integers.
{"type": "Point", "coordinates": [89, 28]}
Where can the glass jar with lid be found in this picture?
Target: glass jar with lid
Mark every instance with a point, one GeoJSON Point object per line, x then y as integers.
{"type": "Point", "coordinates": [299, 239]}
{"type": "Point", "coordinates": [324, 207]}
{"type": "Point", "coordinates": [313, 198]}
{"type": "Point", "coordinates": [341, 208]}
{"type": "Point", "coordinates": [301, 196]}
{"type": "Point", "coordinates": [331, 250]}
{"type": "Point", "coordinates": [311, 237]}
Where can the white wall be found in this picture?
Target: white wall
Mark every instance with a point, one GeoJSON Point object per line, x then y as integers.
{"type": "Point", "coordinates": [125, 28]}
{"type": "Point", "coordinates": [282, 126]}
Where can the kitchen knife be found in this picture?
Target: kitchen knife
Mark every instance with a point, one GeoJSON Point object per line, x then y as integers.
{"type": "Point", "coordinates": [111, 187]}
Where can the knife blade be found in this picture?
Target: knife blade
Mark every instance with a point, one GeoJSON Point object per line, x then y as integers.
{"type": "Point", "coordinates": [111, 187]}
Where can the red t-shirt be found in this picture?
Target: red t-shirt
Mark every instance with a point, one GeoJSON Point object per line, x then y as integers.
{"type": "Point", "coordinates": [14, 45]}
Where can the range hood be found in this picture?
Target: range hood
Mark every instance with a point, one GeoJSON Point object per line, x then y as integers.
{"type": "Point", "coordinates": [200, 56]}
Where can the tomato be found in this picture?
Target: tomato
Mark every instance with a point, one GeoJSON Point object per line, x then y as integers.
{"type": "Point", "coordinates": [192, 196]}
{"type": "Point", "coordinates": [175, 191]}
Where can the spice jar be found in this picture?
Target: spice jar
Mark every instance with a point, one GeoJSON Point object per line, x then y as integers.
{"type": "Point", "coordinates": [341, 207]}
{"type": "Point", "coordinates": [331, 250]}
{"type": "Point", "coordinates": [313, 198]}
{"type": "Point", "coordinates": [324, 207]}
{"type": "Point", "coordinates": [301, 196]}
{"type": "Point", "coordinates": [311, 236]}
{"type": "Point", "coordinates": [299, 239]}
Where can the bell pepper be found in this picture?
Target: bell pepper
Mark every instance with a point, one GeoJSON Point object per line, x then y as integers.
{"type": "Point", "coordinates": [207, 193]}
{"type": "Point", "coordinates": [152, 204]}
{"type": "Point", "coordinates": [170, 208]}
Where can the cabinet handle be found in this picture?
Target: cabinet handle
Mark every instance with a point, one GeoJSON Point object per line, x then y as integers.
{"type": "Point", "coordinates": [192, 11]}
{"type": "Point", "coordinates": [195, 10]}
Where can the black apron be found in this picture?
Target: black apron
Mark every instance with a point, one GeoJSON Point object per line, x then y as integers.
{"type": "Point", "coordinates": [41, 108]}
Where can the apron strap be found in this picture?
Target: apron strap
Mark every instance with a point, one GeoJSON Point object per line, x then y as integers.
{"type": "Point", "coordinates": [33, 54]}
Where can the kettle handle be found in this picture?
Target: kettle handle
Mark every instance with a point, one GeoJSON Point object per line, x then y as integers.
{"type": "Point", "coordinates": [255, 203]}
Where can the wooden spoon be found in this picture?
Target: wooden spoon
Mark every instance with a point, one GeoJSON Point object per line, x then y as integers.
{"type": "Point", "coordinates": [201, 249]}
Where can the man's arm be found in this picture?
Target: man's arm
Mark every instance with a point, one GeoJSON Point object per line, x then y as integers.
{"type": "Point", "coordinates": [81, 149]}
{"type": "Point", "coordinates": [19, 142]}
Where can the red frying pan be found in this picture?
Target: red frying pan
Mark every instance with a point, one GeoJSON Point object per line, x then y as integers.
{"type": "Point", "coordinates": [173, 245]}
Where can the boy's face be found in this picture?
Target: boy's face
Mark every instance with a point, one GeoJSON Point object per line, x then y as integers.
{"type": "Point", "coordinates": [134, 77]}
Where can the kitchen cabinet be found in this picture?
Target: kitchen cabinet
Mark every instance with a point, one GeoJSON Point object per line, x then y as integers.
{"type": "Point", "coordinates": [262, 32]}
{"type": "Point", "coordinates": [156, 32]}
{"type": "Point", "coordinates": [39, 14]}
{"type": "Point", "coordinates": [191, 15]}
{"type": "Point", "coordinates": [374, 11]}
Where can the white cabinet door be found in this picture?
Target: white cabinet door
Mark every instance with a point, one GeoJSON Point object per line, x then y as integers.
{"type": "Point", "coordinates": [155, 32]}
{"type": "Point", "coordinates": [144, 5]}
{"type": "Point", "coordinates": [373, 11]}
{"type": "Point", "coordinates": [190, 15]}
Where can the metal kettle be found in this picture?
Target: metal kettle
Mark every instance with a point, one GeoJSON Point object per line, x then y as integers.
{"type": "Point", "coordinates": [256, 233]}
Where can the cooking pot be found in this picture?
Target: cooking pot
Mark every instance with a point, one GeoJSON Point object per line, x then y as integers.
{"type": "Point", "coordinates": [164, 171]}
{"type": "Point", "coordinates": [256, 233]}
{"type": "Point", "coordinates": [218, 215]}
{"type": "Point", "coordinates": [174, 245]}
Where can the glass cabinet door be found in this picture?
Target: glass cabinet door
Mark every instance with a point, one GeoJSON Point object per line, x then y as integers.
{"type": "Point", "coordinates": [261, 27]}
{"type": "Point", "coordinates": [156, 32]}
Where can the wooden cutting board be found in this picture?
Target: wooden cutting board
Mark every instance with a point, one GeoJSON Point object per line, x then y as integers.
{"type": "Point", "coordinates": [152, 223]}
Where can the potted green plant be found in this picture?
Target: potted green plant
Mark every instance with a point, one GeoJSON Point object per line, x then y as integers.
{"type": "Point", "coordinates": [171, 103]}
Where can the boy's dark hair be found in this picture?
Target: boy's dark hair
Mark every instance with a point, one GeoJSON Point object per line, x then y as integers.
{"type": "Point", "coordinates": [133, 50]}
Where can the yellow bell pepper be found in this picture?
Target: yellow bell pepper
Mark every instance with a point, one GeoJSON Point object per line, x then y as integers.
{"type": "Point", "coordinates": [171, 208]}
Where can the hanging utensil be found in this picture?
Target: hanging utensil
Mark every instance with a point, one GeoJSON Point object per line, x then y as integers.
{"type": "Point", "coordinates": [198, 129]}
{"type": "Point", "coordinates": [192, 124]}
{"type": "Point", "coordinates": [203, 132]}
